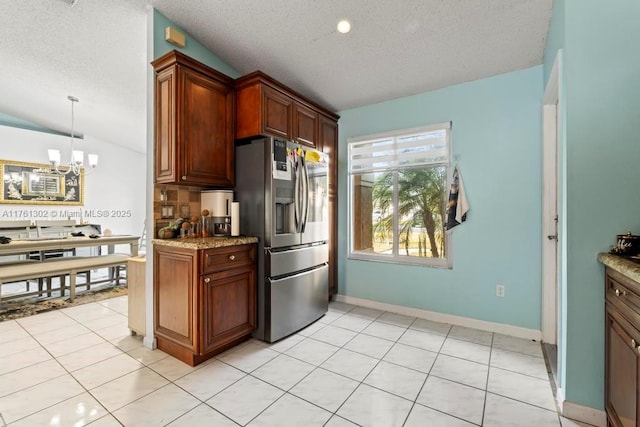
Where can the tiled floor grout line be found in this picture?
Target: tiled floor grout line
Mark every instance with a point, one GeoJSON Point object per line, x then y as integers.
{"type": "Point", "coordinates": [285, 392]}
{"type": "Point", "coordinates": [67, 373]}
{"type": "Point", "coordinates": [335, 413]}
{"type": "Point", "coordinates": [316, 367]}
{"type": "Point", "coordinates": [425, 378]}
{"type": "Point", "coordinates": [361, 382]}
{"type": "Point", "coordinates": [88, 391]}
{"type": "Point", "coordinates": [415, 401]}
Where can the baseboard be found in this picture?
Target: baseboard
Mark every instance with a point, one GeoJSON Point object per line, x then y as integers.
{"type": "Point", "coordinates": [560, 398]}
{"type": "Point", "coordinates": [500, 328]}
{"type": "Point", "coordinates": [150, 342]}
{"type": "Point", "coordinates": [583, 414]}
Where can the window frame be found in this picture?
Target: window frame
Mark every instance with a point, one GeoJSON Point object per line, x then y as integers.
{"type": "Point", "coordinates": [396, 258]}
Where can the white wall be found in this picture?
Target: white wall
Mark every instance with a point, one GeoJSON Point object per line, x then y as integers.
{"type": "Point", "coordinates": [118, 183]}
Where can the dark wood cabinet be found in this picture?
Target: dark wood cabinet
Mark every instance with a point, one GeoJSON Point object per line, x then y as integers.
{"type": "Point", "coordinates": [228, 309]}
{"type": "Point", "coordinates": [622, 350]}
{"type": "Point", "coordinates": [305, 125]}
{"type": "Point", "coordinates": [194, 123]}
{"type": "Point", "coordinates": [204, 299]}
{"type": "Point", "coordinates": [328, 143]}
{"type": "Point", "coordinates": [277, 113]}
{"type": "Point", "coordinates": [175, 299]}
{"type": "Point", "coordinates": [265, 107]}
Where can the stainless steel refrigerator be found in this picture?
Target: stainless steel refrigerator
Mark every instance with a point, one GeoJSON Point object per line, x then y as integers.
{"type": "Point", "coordinates": [282, 190]}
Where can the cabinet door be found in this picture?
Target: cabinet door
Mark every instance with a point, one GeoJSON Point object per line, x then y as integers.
{"type": "Point", "coordinates": [165, 163]}
{"type": "Point", "coordinates": [206, 131]}
{"type": "Point", "coordinates": [305, 125]}
{"type": "Point", "coordinates": [328, 143]}
{"type": "Point", "coordinates": [228, 306]}
{"type": "Point", "coordinates": [622, 341]}
{"type": "Point", "coordinates": [175, 302]}
{"type": "Point", "coordinates": [277, 113]}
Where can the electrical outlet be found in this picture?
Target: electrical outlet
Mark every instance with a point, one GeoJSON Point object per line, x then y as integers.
{"type": "Point", "coordinates": [499, 290]}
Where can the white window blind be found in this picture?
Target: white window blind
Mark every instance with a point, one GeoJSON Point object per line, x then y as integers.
{"type": "Point", "coordinates": [413, 147]}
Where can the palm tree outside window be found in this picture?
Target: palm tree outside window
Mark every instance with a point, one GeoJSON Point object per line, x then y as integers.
{"type": "Point", "coordinates": [398, 196]}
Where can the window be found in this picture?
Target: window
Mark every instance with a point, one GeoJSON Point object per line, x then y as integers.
{"type": "Point", "coordinates": [398, 196]}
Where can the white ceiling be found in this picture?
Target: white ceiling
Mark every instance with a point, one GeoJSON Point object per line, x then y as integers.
{"type": "Point", "coordinates": [97, 51]}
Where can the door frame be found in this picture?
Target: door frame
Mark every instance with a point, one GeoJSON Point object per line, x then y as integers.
{"type": "Point", "coordinates": [551, 122]}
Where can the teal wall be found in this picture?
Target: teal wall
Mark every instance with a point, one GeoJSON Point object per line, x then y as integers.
{"type": "Point", "coordinates": [602, 70]}
{"type": "Point", "coordinates": [497, 141]}
{"type": "Point", "coordinates": [192, 48]}
{"type": "Point", "coordinates": [14, 122]}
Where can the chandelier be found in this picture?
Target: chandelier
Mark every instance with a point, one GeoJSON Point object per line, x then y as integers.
{"type": "Point", "coordinates": [76, 161]}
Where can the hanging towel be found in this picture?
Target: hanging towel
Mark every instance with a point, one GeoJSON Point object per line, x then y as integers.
{"type": "Point", "coordinates": [458, 206]}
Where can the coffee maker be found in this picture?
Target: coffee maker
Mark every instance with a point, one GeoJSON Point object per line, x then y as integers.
{"type": "Point", "coordinates": [218, 203]}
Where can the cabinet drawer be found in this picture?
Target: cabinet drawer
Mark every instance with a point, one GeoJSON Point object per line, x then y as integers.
{"type": "Point", "coordinates": [220, 259]}
{"type": "Point", "coordinates": [620, 290]}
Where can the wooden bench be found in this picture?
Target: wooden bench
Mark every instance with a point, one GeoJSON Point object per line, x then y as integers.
{"type": "Point", "coordinates": [61, 266]}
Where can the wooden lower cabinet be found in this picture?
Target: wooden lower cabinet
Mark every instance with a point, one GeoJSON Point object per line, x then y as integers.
{"type": "Point", "coordinates": [201, 310]}
{"type": "Point", "coordinates": [229, 306]}
{"type": "Point", "coordinates": [622, 351]}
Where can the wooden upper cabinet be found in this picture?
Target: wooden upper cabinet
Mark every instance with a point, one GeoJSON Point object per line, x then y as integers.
{"type": "Point", "coordinates": [277, 113]}
{"type": "Point", "coordinates": [266, 107]}
{"type": "Point", "coordinates": [305, 125]}
{"type": "Point", "coordinates": [328, 142]}
{"type": "Point", "coordinates": [165, 161]}
{"type": "Point", "coordinates": [194, 123]}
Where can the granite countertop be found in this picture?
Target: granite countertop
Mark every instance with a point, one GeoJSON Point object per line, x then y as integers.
{"type": "Point", "coordinates": [205, 242]}
{"type": "Point", "coordinates": [621, 264]}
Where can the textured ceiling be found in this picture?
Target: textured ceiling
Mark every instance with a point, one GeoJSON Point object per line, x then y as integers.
{"type": "Point", "coordinates": [97, 51]}
{"type": "Point", "coordinates": [396, 48]}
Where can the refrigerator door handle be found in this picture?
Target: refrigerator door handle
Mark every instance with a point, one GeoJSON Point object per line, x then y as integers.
{"type": "Point", "coordinates": [305, 193]}
{"type": "Point", "coordinates": [297, 191]}
{"type": "Point", "coordinates": [297, 275]}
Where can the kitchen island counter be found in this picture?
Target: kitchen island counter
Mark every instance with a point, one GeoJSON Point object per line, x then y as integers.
{"type": "Point", "coordinates": [205, 242]}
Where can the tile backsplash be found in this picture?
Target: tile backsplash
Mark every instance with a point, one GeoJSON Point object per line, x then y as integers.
{"type": "Point", "coordinates": [174, 201]}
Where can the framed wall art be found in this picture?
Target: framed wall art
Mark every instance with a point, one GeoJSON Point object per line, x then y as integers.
{"type": "Point", "coordinates": [39, 184]}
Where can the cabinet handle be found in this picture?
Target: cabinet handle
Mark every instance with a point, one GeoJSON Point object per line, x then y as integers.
{"type": "Point", "coordinates": [207, 279]}
{"type": "Point", "coordinates": [619, 292]}
{"type": "Point", "coordinates": [184, 177]}
{"type": "Point", "coordinates": [232, 257]}
{"type": "Point", "coordinates": [634, 344]}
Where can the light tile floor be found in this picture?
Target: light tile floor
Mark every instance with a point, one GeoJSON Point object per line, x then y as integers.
{"type": "Point", "coordinates": [355, 366]}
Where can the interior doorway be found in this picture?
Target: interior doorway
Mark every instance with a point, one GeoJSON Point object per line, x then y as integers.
{"type": "Point", "coordinates": [551, 292]}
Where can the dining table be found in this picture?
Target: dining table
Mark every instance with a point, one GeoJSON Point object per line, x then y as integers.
{"type": "Point", "coordinates": [34, 244]}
